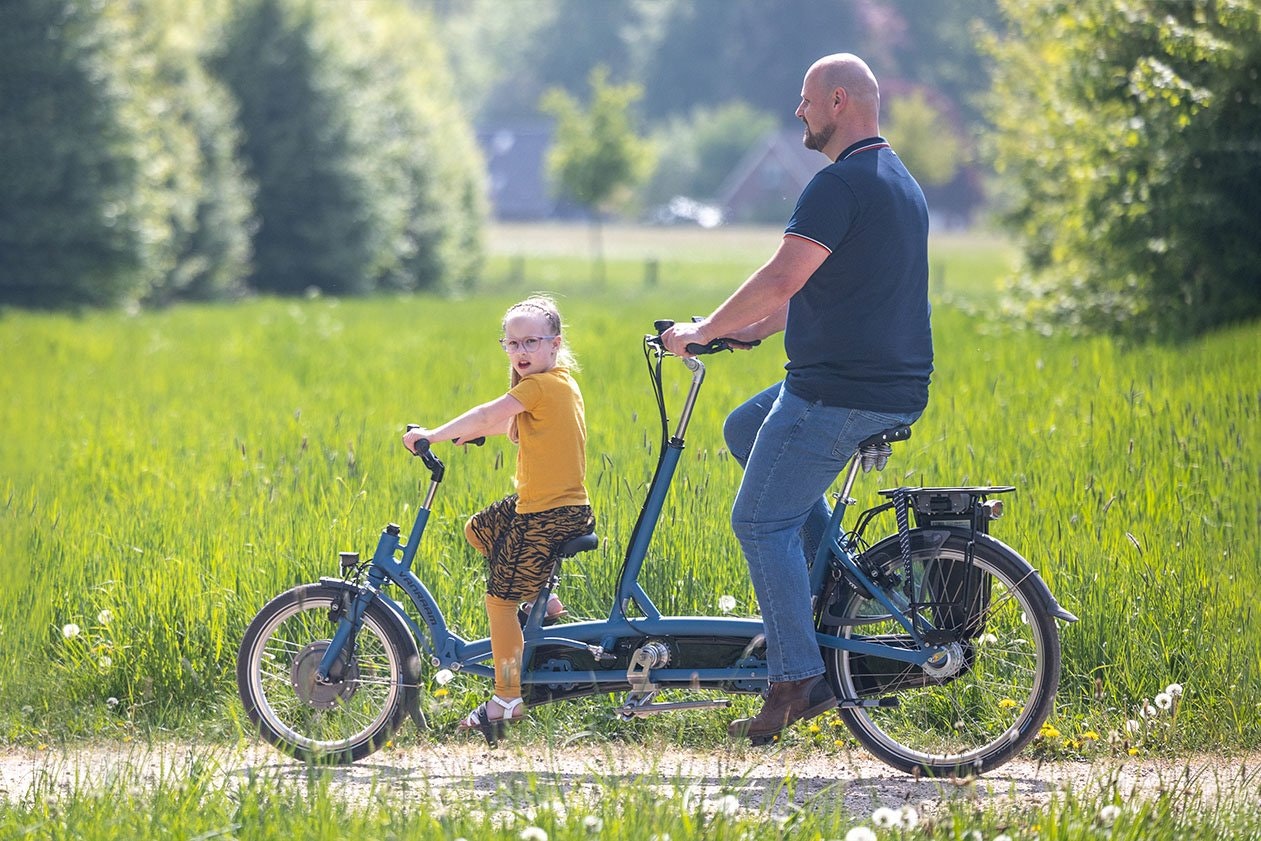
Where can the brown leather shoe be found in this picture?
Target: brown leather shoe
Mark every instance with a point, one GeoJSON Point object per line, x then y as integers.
{"type": "Point", "coordinates": [788, 702]}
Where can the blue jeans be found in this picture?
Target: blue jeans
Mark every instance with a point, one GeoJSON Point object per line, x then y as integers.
{"type": "Point", "coordinates": [792, 450]}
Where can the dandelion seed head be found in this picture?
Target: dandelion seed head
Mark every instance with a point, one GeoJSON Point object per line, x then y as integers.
{"type": "Point", "coordinates": [533, 833]}
{"type": "Point", "coordinates": [70, 630]}
{"type": "Point", "coordinates": [1174, 689]}
{"type": "Point", "coordinates": [726, 603]}
{"type": "Point", "coordinates": [105, 662]}
{"type": "Point", "coordinates": [111, 702]}
{"type": "Point", "coordinates": [884, 816]}
{"type": "Point", "coordinates": [1164, 700]}
{"type": "Point", "coordinates": [1132, 726]}
{"type": "Point", "coordinates": [593, 823]}
{"type": "Point", "coordinates": [1108, 814]}
{"type": "Point", "coordinates": [987, 639]}
{"type": "Point", "coordinates": [910, 817]}
{"type": "Point", "coordinates": [443, 676]}
{"type": "Point", "coordinates": [104, 617]}
{"type": "Point", "coordinates": [860, 833]}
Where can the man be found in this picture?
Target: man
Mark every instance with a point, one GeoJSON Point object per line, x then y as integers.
{"type": "Point", "coordinates": [848, 285]}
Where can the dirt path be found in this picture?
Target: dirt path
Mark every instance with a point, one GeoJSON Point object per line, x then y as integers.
{"type": "Point", "coordinates": [460, 769]}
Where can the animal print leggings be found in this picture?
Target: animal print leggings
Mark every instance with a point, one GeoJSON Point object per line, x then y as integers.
{"type": "Point", "coordinates": [520, 549]}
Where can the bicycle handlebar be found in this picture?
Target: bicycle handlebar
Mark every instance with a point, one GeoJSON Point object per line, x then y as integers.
{"type": "Point", "coordinates": [713, 346]}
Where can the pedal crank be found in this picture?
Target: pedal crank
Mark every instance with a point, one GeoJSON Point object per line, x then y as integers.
{"type": "Point", "coordinates": [888, 702]}
{"type": "Point", "coordinates": [641, 707]}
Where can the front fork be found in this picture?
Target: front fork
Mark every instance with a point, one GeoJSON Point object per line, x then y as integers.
{"type": "Point", "coordinates": [348, 613]}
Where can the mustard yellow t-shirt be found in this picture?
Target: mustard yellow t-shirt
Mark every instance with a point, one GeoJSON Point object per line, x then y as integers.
{"type": "Point", "coordinates": [552, 442]}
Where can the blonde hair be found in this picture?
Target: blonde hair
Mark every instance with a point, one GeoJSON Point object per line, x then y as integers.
{"type": "Point", "coordinates": [547, 307]}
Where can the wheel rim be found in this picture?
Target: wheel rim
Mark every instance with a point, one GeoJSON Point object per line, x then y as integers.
{"type": "Point", "coordinates": [960, 717]}
{"type": "Point", "coordinates": [323, 718]}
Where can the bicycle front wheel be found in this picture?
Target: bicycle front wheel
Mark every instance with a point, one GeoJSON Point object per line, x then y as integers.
{"type": "Point", "coordinates": [979, 703]}
{"type": "Point", "coordinates": [371, 685]}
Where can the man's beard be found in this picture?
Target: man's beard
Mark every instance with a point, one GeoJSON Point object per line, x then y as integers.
{"type": "Point", "coordinates": [817, 140]}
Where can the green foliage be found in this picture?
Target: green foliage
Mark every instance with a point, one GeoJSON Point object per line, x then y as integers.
{"type": "Point", "coordinates": [596, 150]}
{"type": "Point", "coordinates": [367, 176]}
{"type": "Point", "coordinates": [923, 138]}
{"type": "Point", "coordinates": [1129, 133]}
{"type": "Point", "coordinates": [87, 200]}
{"type": "Point", "coordinates": [696, 153]}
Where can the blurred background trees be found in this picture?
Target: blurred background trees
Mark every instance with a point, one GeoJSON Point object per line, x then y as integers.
{"type": "Point", "coordinates": [1130, 135]}
{"type": "Point", "coordinates": [156, 150]}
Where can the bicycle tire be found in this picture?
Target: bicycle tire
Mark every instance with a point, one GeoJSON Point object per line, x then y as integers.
{"type": "Point", "coordinates": [973, 715]}
{"type": "Point", "coordinates": [335, 723]}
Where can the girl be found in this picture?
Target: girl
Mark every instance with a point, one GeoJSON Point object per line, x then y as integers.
{"type": "Point", "coordinates": [543, 413]}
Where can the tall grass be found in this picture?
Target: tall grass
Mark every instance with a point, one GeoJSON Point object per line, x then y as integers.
{"type": "Point", "coordinates": [163, 474]}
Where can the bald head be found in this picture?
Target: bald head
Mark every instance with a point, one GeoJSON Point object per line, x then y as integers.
{"type": "Point", "coordinates": [850, 73]}
{"type": "Point", "coordinates": [840, 103]}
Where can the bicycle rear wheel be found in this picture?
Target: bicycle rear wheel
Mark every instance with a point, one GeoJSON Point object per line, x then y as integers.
{"type": "Point", "coordinates": [986, 697]}
{"type": "Point", "coordinates": [372, 687]}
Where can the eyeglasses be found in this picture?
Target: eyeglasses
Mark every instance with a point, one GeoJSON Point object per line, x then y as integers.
{"type": "Point", "coordinates": [529, 344]}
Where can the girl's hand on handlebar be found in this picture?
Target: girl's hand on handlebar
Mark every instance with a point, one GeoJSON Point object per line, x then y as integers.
{"type": "Point", "coordinates": [413, 434]}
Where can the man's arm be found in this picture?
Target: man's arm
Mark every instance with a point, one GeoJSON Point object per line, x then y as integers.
{"type": "Point", "coordinates": [759, 307]}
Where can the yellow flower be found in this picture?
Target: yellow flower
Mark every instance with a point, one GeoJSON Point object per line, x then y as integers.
{"type": "Point", "coordinates": [1007, 704]}
{"type": "Point", "coordinates": [1091, 735]}
{"type": "Point", "coordinates": [814, 728]}
{"type": "Point", "coordinates": [438, 693]}
{"type": "Point", "coordinates": [1049, 732]}
{"type": "Point", "coordinates": [1133, 751]}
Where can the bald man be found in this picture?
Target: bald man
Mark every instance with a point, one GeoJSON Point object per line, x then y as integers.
{"type": "Point", "coordinates": [848, 285]}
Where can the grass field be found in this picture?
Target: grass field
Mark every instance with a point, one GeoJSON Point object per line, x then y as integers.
{"type": "Point", "coordinates": [163, 474]}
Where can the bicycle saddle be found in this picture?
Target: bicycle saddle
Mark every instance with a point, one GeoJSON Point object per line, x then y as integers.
{"type": "Point", "coordinates": [578, 544]}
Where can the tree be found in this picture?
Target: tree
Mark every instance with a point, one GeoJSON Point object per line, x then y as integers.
{"type": "Point", "coordinates": [923, 138]}
{"type": "Point", "coordinates": [596, 151]}
{"type": "Point", "coordinates": [696, 154]}
{"type": "Point", "coordinates": [87, 193]}
{"type": "Point", "coordinates": [1128, 132]}
{"type": "Point", "coordinates": [367, 174]}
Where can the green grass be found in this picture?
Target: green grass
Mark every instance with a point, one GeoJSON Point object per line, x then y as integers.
{"type": "Point", "coordinates": [163, 474]}
{"type": "Point", "coordinates": [198, 800]}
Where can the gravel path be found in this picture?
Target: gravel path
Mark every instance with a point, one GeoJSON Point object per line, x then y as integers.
{"type": "Point", "coordinates": [756, 776]}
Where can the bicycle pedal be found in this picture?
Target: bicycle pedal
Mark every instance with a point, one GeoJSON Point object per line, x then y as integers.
{"type": "Point", "coordinates": [598, 652]}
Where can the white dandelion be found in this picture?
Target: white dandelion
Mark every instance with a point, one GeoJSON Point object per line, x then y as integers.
{"type": "Point", "coordinates": [1174, 689]}
{"type": "Point", "coordinates": [1108, 814]}
{"type": "Point", "coordinates": [910, 818]}
{"type": "Point", "coordinates": [593, 823]}
{"type": "Point", "coordinates": [726, 603]}
{"type": "Point", "coordinates": [987, 639]}
{"type": "Point", "coordinates": [533, 833]}
{"type": "Point", "coordinates": [105, 662]}
{"type": "Point", "coordinates": [1164, 700]}
{"type": "Point", "coordinates": [104, 617]}
{"type": "Point", "coordinates": [1003, 837]}
{"type": "Point", "coordinates": [1132, 726]}
{"type": "Point", "coordinates": [443, 676]}
{"type": "Point", "coordinates": [860, 833]}
{"type": "Point", "coordinates": [70, 630]}
{"type": "Point", "coordinates": [111, 702]}
{"type": "Point", "coordinates": [884, 816]}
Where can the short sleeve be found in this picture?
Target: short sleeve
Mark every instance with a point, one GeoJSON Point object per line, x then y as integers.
{"type": "Point", "coordinates": [528, 392]}
{"type": "Point", "coordinates": [824, 211]}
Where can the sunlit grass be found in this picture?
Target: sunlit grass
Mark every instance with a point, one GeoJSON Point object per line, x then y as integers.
{"type": "Point", "coordinates": [173, 470]}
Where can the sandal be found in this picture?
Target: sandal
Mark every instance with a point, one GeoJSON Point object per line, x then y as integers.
{"type": "Point", "coordinates": [493, 728]}
{"type": "Point", "coordinates": [555, 611]}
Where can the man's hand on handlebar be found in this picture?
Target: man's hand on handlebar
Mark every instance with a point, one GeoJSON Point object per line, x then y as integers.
{"type": "Point", "coordinates": [688, 340]}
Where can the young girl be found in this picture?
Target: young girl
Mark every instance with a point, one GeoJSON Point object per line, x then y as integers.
{"type": "Point", "coordinates": [543, 413]}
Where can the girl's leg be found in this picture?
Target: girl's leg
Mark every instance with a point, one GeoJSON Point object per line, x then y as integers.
{"type": "Point", "coordinates": [506, 645]}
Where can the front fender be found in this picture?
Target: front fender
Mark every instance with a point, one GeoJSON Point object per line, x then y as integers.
{"type": "Point", "coordinates": [400, 626]}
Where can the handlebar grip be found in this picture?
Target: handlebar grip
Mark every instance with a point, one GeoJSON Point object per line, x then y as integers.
{"type": "Point", "coordinates": [476, 442]}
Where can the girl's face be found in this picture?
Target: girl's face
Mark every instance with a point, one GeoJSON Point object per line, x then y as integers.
{"type": "Point", "coordinates": [523, 330]}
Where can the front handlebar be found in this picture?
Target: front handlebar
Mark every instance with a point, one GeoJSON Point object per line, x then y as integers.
{"type": "Point", "coordinates": [713, 346]}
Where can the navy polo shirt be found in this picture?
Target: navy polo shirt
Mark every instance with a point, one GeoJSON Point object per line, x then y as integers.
{"type": "Point", "coordinates": [858, 332]}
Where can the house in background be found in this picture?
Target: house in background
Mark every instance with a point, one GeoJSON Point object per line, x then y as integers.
{"type": "Point", "coordinates": [516, 170]}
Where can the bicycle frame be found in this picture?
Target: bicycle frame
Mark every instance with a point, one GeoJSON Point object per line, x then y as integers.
{"type": "Point", "coordinates": [392, 562]}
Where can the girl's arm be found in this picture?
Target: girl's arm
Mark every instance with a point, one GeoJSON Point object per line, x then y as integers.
{"type": "Point", "coordinates": [490, 418]}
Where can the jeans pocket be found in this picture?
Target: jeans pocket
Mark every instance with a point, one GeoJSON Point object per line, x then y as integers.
{"type": "Point", "coordinates": [862, 424]}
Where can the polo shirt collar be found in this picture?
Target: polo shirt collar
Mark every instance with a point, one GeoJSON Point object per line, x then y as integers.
{"type": "Point", "coordinates": [863, 145]}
